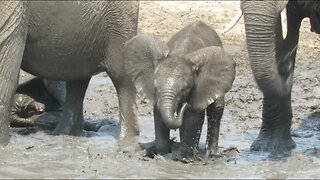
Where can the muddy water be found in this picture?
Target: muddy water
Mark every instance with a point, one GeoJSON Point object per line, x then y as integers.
{"type": "Point", "coordinates": [34, 153]}
{"type": "Point", "coordinates": [37, 154]}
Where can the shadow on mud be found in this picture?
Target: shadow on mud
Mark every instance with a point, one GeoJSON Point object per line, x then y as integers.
{"type": "Point", "coordinates": [308, 125]}
{"type": "Point", "coordinates": [307, 135]}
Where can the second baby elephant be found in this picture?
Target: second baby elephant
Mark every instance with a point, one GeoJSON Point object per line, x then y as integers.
{"type": "Point", "coordinates": [39, 102]}
{"type": "Point", "coordinates": [34, 98]}
{"type": "Point", "coordinates": [185, 77]}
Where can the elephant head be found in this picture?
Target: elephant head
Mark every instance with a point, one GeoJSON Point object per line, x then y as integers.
{"type": "Point", "coordinates": [175, 81]}
{"type": "Point", "coordinates": [25, 106]}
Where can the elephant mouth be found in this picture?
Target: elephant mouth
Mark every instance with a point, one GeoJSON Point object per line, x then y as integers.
{"type": "Point", "coordinates": [181, 111]}
{"type": "Point", "coordinates": [175, 114]}
{"type": "Point", "coordinates": [173, 118]}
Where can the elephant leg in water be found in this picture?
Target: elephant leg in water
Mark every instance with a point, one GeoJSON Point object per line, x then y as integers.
{"type": "Point", "coordinates": [214, 115]}
{"type": "Point", "coordinates": [13, 32]}
{"type": "Point", "coordinates": [272, 59]}
{"type": "Point", "coordinates": [192, 126]}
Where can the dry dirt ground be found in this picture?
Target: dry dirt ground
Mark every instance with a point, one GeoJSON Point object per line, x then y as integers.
{"type": "Point", "coordinates": [39, 155]}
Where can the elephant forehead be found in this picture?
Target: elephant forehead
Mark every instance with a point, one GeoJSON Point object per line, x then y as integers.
{"type": "Point", "coordinates": [173, 74]}
{"type": "Point", "coordinates": [173, 66]}
{"type": "Point", "coordinates": [22, 99]}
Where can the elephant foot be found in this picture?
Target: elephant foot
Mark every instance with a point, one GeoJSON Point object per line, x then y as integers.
{"type": "Point", "coordinates": [131, 150]}
{"type": "Point", "coordinates": [68, 131]}
{"type": "Point", "coordinates": [164, 148]}
{"type": "Point", "coordinates": [274, 144]}
{"type": "Point", "coordinates": [186, 154]}
{"type": "Point", "coordinates": [126, 136]}
{"type": "Point", "coordinates": [156, 150]}
{"type": "Point", "coordinates": [128, 143]}
{"type": "Point", "coordinates": [73, 130]}
{"type": "Point", "coordinates": [151, 150]}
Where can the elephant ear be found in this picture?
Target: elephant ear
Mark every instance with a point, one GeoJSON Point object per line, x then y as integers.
{"type": "Point", "coordinates": [215, 75]}
{"type": "Point", "coordinates": [141, 54]}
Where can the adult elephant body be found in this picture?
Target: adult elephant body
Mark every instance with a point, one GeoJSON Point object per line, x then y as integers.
{"type": "Point", "coordinates": [69, 41]}
{"type": "Point", "coordinates": [272, 58]}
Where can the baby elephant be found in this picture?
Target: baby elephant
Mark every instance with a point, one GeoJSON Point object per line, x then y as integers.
{"type": "Point", "coordinates": [39, 102]}
{"type": "Point", "coordinates": [33, 101]}
{"type": "Point", "coordinates": [184, 78]}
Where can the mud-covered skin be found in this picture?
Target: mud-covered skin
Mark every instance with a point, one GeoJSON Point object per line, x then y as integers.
{"type": "Point", "coordinates": [272, 59]}
{"type": "Point", "coordinates": [25, 111]}
{"type": "Point", "coordinates": [34, 98]}
{"type": "Point", "coordinates": [68, 41]}
{"type": "Point", "coordinates": [49, 93]}
{"type": "Point", "coordinates": [28, 111]}
{"type": "Point", "coordinates": [184, 78]}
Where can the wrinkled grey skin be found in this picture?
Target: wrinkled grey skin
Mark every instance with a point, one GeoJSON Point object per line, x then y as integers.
{"type": "Point", "coordinates": [186, 76]}
{"type": "Point", "coordinates": [68, 41]}
{"type": "Point", "coordinates": [34, 99]}
{"type": "Point", "coordinates": [272, 60]}
{"type": "Point", "coordinates": [25, 110]}
{"type": "Point", "coordinates": [39, 102]}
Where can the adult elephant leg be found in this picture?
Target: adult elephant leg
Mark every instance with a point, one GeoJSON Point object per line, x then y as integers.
{"type": "Point", "coordinates": [72, 116]}
{"type": "Point", "coordinates": [13, 31]}
{"type": "Point", "coordinates": [57, 89]}
{"type": "Point", "coordinates": [214, 115]}
{"type": "Point", "coordinates": [162, 133]}
{"type": "Point", "coordinates": [272, 66]}
{"type": "Point", "coordinates": [128, 129]}
{"type": "Point", "coordinates": [190, 130]}
{"type": "Point", "coordinates": [277, 111]}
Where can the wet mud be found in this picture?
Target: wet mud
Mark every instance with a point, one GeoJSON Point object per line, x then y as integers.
{"type": "Point", "coordinates": [35, 153]}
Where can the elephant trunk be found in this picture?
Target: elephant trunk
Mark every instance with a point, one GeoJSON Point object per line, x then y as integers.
{"type": "Point", "coordinates": [266, 50]}
{"type": "Point", "coordinates": [167, 110]}
{"type": "Point", "coordinates": [260, 24]}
